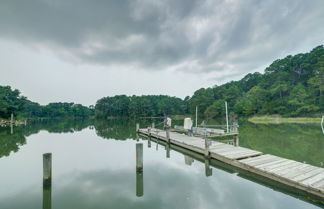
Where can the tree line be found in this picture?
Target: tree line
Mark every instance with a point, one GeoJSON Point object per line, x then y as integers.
{"type": "Point", "coordinates": [139, 106]}
{"type": "Point", "coordinates": [12, 102]}
{"type": "Point", "coordinates": [292, 86]}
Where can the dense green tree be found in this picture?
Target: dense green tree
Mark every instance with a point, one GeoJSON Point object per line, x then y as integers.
{"type": "Point", "coordinates": [293, 86]}
{"type": "Point", "coordinates": [139, 106]}
{"type": "Point", "coordinates": [12, 102]}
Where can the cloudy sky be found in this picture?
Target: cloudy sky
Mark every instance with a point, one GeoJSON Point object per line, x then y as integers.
{"type": "Point", "coordinates": [82, 50]}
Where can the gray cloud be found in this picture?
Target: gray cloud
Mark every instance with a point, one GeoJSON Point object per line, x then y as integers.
{"type": "Point", "coordinates": [193, 36]}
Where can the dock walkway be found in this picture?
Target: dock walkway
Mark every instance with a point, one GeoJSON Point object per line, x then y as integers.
{"type": "Point", "coordinates": [301, 176]}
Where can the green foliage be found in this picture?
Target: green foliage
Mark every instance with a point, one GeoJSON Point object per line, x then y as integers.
{"type": "Point", "coordinates": [139, 106]}
{"type": "Point", "coordinates": [12, 102]}
{"type": "Point", "coordinates": [292, 86]}
{"type": "Point", "coordinates": [11, 142]}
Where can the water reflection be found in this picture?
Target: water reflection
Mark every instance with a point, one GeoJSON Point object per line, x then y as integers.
{"type": "Point", "coordinates": [47, 197]}
{"type": "Point", "coordinates": [208, 169]}
{"type": "Point", "coordinates": [139, 184]}
{"type": "Point", "coordinates": [10, 141]}
{"type": "Point", "coordinates": [188, 160]}
{"type": "Point", "coordinates": [190, 157]}
{"type": "Point", "coordinates": [93, 172]}
{"type": "Point", "coordinates": [300, 142]}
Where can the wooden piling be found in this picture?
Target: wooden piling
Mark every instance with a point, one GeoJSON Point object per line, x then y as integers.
{"type": "Point", "coordinates": [236, 141]}
{"type": "Point", "coordinates": [167, 147]}
{"type": "Point", "coordinates": [47, 169]}
{"type": "Point", "coordinates": [149, 130]}
{"type": "Point", "coordinates": [47, 197]}
{"type": "Point", "coordinates": [12, 119]}
{"type": "Point", "coordinates": [153, 125]}
{"type": "Point", "coordinates": [208, 169]}
{"type": "Point", "coordinates": [11, 128]}
{"type": "Point", "coordinates": [149, 142]}
{"type": "Point", "coordinates": [167, 132]}
{"type": "Point", "coordinates": [207, 144]}
{"type": "Point", "coordinates": [11, 123]}
{"type": "Point", "coordinates": [137, 127]}
{"type": "Point", "coordinates": [139, 184]}
{"type": "Point", "coordinates": [139, 157]}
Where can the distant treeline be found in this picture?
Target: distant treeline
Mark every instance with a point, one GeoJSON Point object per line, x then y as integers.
{"type": "Point", "coordinates": [293, 86]}
{"type": "Point", "coordinates": [11, 101]}
{"type": "Point", "coordinates": [139, 106]}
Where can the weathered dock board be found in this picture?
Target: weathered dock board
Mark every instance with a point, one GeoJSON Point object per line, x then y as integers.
{"type": "Point", "coordinates": [307, 178]}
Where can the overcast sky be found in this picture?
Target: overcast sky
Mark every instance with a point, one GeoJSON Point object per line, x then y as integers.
{"type": "Point", "coordinates": [82, 50]}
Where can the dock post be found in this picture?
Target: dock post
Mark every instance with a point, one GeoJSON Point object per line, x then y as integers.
{"type": "Point", "coordinates": [227, 129]}
{"type": "Point", "coordinates": [207, 144]}
{"type": "Point", "coordinates": [47, 170]}
{"type": "Point", "coordinates": [149, 131]}
{"type": "Point", "coordinates": [157, 144]}
{"type": "Point", "coordinates": [196, 116]}
{"type": "Point", "coordinates": [139, 170]}
{"type": "Point", "coordinates": [11, 123]}
{"type": "Point", "coordinates": [137, 127]}
{"type": "Point", "coordinates": [167, 147]}
{"type": "Point", "coordinates": [12, 118]}
{"type": "Point", "coordinates": [47, 197]}
{"type": "Point", "coordinates": [153, 125]}
{"type": "Point", "coordinates": [208, 169]}
{"type": "Point", "coordinates": [139, 184]}
{"type": "Point", "coordinates": [149, 142]}
{"type": "Point", "coordinates": [236, 141]}
{"type": "Point", "coordinates": [11, 128]}
{"type": "Point", "coordinates": [167, 131]}
{"type": "Point", "coordinates": [139, 157]}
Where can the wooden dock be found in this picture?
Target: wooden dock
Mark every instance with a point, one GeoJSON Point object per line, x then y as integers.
{"type": "Point", "coordinates": [306, 178]}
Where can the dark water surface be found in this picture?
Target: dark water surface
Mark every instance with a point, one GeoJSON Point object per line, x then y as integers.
{"type": "Point", "coordinates": [94, 167]}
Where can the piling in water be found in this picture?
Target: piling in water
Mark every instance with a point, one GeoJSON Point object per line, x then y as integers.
{"type": "Point", "coordinates": [139, 184]}
{"type": "Point", "coordinates": [153, 125]}
{"type": "Point", "coordinates": [139, 157]}
{"type": "Point", "coordinates": [207, 144]}
{"type": "Point", "coordinates": [139, 170]}
{"type": "Point", "coordinates": [47, 170]}
{"type": "Point", "coordinates": [167, 132]}
{"type": "Point", "coordinates": [208, 169]}
{"type": "Point", "coordinates": [47, 197]}
{"type": "Point", "coordinates": [149, 142]}
{"type": "Point", "coordinates": [167, 147]}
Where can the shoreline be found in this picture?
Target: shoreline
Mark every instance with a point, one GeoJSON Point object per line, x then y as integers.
{"type": "Point", "coordinates": [277, 120]}
{"type": "Point", "coordinates": [5, 123]}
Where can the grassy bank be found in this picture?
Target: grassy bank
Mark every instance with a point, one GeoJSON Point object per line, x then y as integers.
{"type": "Point", "coordinates": [269, 119]}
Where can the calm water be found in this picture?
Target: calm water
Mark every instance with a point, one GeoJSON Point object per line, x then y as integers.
{"type": "Point", "coordinates": [94, 167]}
